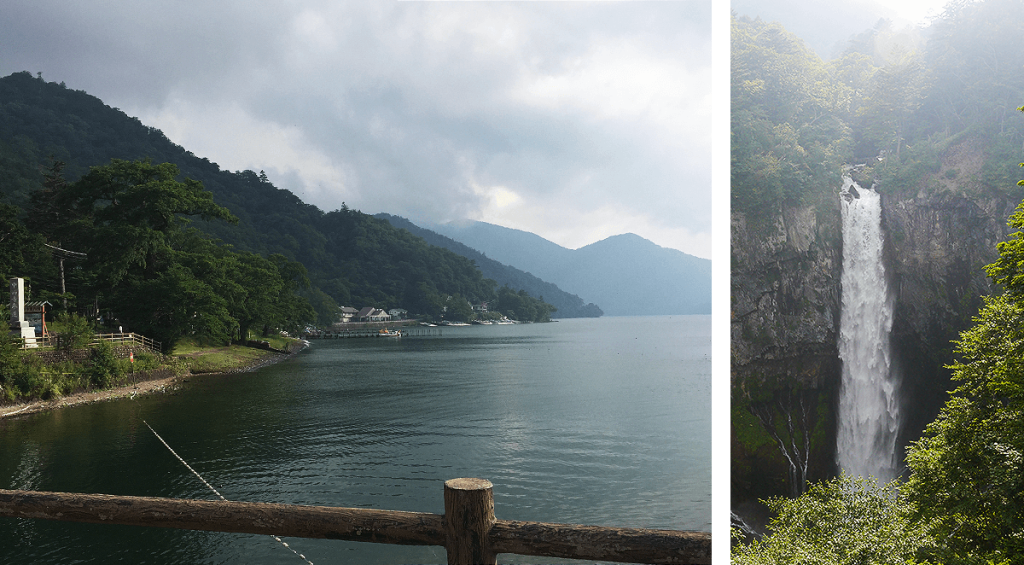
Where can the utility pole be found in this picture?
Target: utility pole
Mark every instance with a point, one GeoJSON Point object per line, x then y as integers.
{"type": "Point", "coordinates": [61, 255]}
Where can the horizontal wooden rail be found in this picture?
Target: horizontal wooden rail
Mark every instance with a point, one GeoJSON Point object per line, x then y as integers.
{"type": "Point", "coordinates": [600, 543]}
{"type": "Point", "coordinates": [467, 530]}
{"type": "Point", "coordinates": [321, 522]}
{"type": "Point", "coordinates": [118, 339]}
{"type": "Point", "coordinates": [128, 338]}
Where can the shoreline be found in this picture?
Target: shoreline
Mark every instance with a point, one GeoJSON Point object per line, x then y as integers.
{"type": "Point", "coordinates": [148, 386]}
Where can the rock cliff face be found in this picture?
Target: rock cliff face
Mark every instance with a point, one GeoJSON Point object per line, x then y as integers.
{"type": "Point", "coordinates": [786, 275]}
{"type": "Point", "coordinates": [937, 247]}
{"type": "Point", "coordinates": [786, 268]}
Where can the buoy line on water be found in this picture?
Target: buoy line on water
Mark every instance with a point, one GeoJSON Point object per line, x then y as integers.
{"type": "Point", "coordinates": [221, 496]}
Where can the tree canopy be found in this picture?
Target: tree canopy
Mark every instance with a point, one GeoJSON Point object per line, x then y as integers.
{"type": "Point", "coordinates": [789, 140]}
{"type": "Point", "coordinates": [893, 100]}
{"type": "Point", "coordinates": [837, 522]}
{"type": "Point", "coordinates": [144, 266]}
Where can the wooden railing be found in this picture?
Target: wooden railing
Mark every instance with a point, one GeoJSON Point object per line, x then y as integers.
{"type": "Point", "coordinates": [128, 339]}
{"type": "Point", "coordinates": [467, 530]}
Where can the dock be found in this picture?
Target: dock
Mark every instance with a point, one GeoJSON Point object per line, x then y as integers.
{"type": "Point", "coordinates": [371, 332]}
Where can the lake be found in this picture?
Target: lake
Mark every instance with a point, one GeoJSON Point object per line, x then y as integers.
{"type": "Point", "coordinates": [601, 421]}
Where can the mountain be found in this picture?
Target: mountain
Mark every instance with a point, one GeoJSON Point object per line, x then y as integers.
{"type": "Point", "coordinates": [568, 305]}
{"type": "Point", "coordinates": [352, 258]}
{"type": "Point", "coordinates": [626, 274]}
{"type": "Point", "coordinates": [636, 277]}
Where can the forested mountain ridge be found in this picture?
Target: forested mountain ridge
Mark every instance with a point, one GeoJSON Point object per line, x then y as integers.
{"type": "Point", "coordinates": [352, 258]}
{"type": "Point", "coordinates": [895, 100]}
{"type": "Point", "coordinates": [931, 117]}
{"type": "Point", "coordinates": [626, 274]}
{"type": "Point", "coordinates": [568, 305]}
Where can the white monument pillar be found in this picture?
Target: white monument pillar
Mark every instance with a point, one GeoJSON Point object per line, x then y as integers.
{"type": "Point", "coordinates": [18, 322]}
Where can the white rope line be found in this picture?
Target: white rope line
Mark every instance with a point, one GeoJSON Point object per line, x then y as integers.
{"type": "Point", "coordinates": [189, 467]}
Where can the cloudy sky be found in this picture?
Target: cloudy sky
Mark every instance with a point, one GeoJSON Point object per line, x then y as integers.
{"type": "Point", "coordinates": [825, 26]}
{"type": "Point", "coordinates": [572, 120]}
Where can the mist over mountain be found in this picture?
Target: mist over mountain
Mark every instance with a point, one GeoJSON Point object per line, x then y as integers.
{"type": "Point", "coordinates": [352, 258]}
{"type": "Point", "coordinates": [625, 274]}
{"type": "Point", "coordinates": [824, 27]}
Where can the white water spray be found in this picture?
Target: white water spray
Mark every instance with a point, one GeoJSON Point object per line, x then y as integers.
{"type": "Point", "coordinates": [868, 407]}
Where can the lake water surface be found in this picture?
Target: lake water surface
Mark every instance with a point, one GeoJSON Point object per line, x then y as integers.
{"type": "Point", "coordinates": [594, 421]}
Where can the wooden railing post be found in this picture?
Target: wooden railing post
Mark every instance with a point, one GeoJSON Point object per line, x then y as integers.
{"type": "Point", "coordinates": [468, 518]}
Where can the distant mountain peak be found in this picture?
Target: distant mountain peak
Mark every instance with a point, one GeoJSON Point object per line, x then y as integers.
{"type": "Point", "coordinates": [622, 238]}
{"type": "Point", "coordinates": [626, 274]}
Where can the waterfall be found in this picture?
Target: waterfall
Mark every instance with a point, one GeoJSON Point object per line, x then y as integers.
{"type": "Point", "coordinates": [868, 406]}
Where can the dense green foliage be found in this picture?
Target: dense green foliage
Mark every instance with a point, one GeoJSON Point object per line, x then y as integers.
{"type": "Point", "coordinates": [145, 269]}
{"type": "Point", "coordinates": [894, 100]}
{"type": "Point", "coordinates": [838, 522]}
{"type": "Point", "coordinates": [70, 331]}
{"type": "Point", "coordinates": [351, 258]}
{"type": "Point", "coordinates": [789, 140]}
{"type": "Point", "coordinates": [24, 376]}
{"type": "Point", "coordinates": [521, 306]}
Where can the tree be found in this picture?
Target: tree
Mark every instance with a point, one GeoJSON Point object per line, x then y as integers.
{"type": "Point", "coordinates": [895, 93]}
{"type": "Point", "coordinates": [324, 306]}
{"type": "Point", "coordinates": [842, 521]}
{"type": "Point", "coordinates": [293, 311]}
{"type": "Point", "coordinates": [973, 56]}
{"type": "Point", "coordinates": [231, 292]}
{"type": "Point", "coordinates": [49, 212]}
{"type": "Point", "coordinates": [20, 249]}
{"type": "Point", "coordinates": [269, 301]}
{"type": "Point", "coordinates": [127, 217]}
{"type": "Point", "coordinates": [126, 209]}
{"type": "Point", "coordinates": [70, 331]}
{"type": "Point", "coordinates": [173, 304]}
{"type": "Point", "coordinates": [788, 143]}
{"type": "Point", "coordinates": [967, 471]}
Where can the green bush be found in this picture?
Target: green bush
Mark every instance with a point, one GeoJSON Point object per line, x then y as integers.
{"type": "Point", "coordinates": [20, 373]}
{"type": "Point", "coordinates": [845, 520]}
{"type": "Point", "coordinates": [71, 331]}
{"type": "Point", "coordinates": [10, 366]}
{"type": "Point", "coordinates": [105, 368]}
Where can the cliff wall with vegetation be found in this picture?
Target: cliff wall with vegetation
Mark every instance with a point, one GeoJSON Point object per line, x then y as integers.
{"type": "Point", "coordinates": [941, 232]}
{"type": "Point", "coordinates": [786, 269]}
{"type": "Point", "coordinates": [786, 309]}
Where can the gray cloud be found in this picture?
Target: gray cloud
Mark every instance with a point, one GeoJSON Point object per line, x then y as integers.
{"type": "Point", "coordinates": [573, 120]}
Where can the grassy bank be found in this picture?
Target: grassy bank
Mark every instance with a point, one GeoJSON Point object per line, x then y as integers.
{"type": "Point", "coordinates": [26, 378]}
{"type": "Point", "coordinates": [198, 358]}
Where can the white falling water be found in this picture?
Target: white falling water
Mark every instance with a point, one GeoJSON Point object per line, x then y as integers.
{"type": "Point", "coordinates": [868, 407]}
